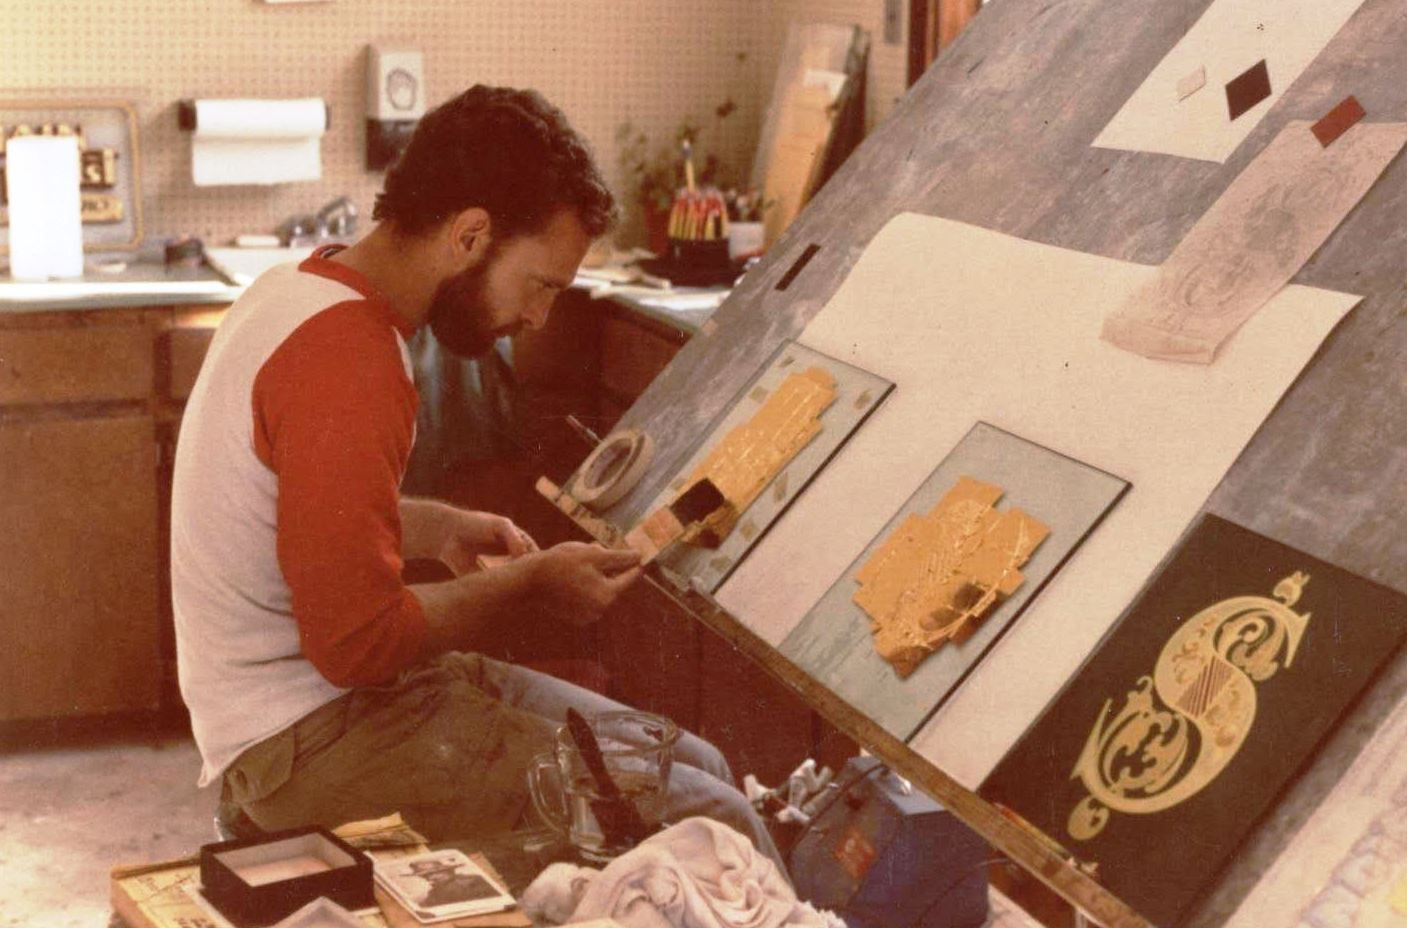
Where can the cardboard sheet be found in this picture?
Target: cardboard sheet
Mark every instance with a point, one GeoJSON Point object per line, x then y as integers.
{"type": "Point", "coordinates": [1252, 240]}
{"type": "Point", "coordinates": [1348, 864]}
{"type": "Point", "coordinates": [1007, 331]}
{"type": "Point", "coordinates": [1230, 37]}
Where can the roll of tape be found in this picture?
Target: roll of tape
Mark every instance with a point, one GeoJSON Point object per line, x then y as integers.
{"type": "Point", "coordinates": [617, 465]}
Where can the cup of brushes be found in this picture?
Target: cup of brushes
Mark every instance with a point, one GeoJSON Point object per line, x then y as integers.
{"type": "Point", "coordinates": [698, 222]}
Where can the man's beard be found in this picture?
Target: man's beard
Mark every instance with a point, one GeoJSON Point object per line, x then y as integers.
{"type": "Point", "coordinates": [460, 316]}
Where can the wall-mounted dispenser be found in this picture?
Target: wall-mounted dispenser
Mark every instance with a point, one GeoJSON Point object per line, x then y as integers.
{"type": "Point", "coordinates": [395, 101]}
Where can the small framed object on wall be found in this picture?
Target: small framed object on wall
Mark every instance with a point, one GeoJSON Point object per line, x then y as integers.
{"type": "Point", "coordinates": [110, 164]}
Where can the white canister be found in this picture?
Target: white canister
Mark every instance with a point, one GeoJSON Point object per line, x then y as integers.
{"type": "Point", "coordinates": [745, 239]}
{"type": "Point", "coordinates": [46, 212]}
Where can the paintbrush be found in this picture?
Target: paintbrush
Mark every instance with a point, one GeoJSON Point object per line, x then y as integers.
{"type": "Point", "coordinates": [621, 824]}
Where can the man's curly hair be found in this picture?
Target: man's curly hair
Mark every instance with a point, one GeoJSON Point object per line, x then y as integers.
{"type": "Point", "coordinates": [507, 151]}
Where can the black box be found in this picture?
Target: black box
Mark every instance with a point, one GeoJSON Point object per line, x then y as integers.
{"type": "Point", "coordinates": [257, 881]}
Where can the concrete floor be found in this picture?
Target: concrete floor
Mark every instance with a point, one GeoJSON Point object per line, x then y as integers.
{"type": "Point", "coordinates": [72, 806]}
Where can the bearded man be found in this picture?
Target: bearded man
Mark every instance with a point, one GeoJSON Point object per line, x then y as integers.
{"type": "Point", "coordinates": [322, 688]}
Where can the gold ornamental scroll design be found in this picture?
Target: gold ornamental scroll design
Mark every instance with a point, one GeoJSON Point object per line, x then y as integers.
{"type": "Point", "coordinates": [937, 575]}
{"type": "Point", "coordinates": [750, 456]}
{"type": "Point", "coordinates": [1181, 726]}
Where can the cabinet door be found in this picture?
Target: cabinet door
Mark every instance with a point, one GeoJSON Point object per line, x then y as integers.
{"type": "Point", "coordinates": [79, 563]}
{"type": "Point", "coordinates": [762, 727]}
{"type": "Point", "coordinates": [652, 653]}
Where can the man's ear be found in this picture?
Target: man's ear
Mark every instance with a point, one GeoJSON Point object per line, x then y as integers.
{"type": "Point", "coordinates": [471, 233]}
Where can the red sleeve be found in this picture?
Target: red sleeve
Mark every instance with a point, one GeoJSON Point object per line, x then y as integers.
{"type": "Point", "coordinates": [334, 418]}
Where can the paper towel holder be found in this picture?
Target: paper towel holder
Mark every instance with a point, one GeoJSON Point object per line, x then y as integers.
{"type": "Point", "coordinates": [187, 121]}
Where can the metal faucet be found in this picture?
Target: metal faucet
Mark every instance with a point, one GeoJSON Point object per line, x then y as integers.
{"type": "Point", "coordinates": [337, 219]}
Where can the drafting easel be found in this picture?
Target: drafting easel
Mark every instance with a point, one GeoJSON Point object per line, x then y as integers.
{"type": "Point", "coordinates": [998, 135]}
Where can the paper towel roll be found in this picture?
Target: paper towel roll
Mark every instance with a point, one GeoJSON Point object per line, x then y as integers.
{"type": "Point", "coordinates": [257, 141]}
{"type": "Point", "coordinates": [46, 212]}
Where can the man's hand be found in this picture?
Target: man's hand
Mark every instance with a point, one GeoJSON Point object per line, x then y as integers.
{"type": "Point", "coordinates": [579, 581]}
{"type": "Point", "coordinates": [469, 534]}
{"type": "Point", "coordinates": [573, 581]}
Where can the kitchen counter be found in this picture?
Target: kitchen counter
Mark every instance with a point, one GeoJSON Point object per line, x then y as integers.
{"type": "Point", "coordinates": [138, 284]}
{"type": "Point", "coordinates": [683, 308]}
{"type": "Point", "coordinates": [149, 283]}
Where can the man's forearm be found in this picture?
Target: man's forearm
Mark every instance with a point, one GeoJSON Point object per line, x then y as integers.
{"type": "Point", "coordinates": [457, 610]}
{"type": "Point", "coordinates": [422, 527]}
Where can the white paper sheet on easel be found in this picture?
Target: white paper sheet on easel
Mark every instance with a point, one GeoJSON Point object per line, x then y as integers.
{"type": "Point", "coordinates": [1007, 331]}
{"type": "Point", "coordinates": [1231, 36]}
{"type": "Point", "coordinates": [257, 141]}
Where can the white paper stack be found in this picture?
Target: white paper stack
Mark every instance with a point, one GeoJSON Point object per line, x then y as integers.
{"type": "Point", "coordinates": [46, 217]}
{"type": "Point", "coordinates": [257, 141]}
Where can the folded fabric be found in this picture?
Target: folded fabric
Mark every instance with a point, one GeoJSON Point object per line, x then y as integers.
{"type": "Point", "coordinates": [695, 874]}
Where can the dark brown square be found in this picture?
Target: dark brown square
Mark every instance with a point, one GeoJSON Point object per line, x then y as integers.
{"type": "Point", "coordinates": [1248, 88]}
{"type": "Point", "coordinates": [1338, 120]}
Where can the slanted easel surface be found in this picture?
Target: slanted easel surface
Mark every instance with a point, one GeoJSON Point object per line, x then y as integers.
{"type": "Point", "coordinates": [998, 135]}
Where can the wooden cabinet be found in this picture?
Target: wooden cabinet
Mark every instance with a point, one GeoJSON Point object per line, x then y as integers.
{"type": "Point", "coordinates": [633, 352]}
{"type": "Point", "coordinates": [50, 363]}
{"type": "Point", "coordinates": [80, 559]}
{"type": "Point", "coordinates": [89, 403]}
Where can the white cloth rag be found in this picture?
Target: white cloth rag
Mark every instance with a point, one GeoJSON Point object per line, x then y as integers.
{"type": "Point", "coordinates": [695, 874]}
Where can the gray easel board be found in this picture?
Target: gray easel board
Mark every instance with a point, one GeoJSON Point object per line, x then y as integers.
{"type": "Point", "coordinates": [857, 394]}
{"type": "Point", "coordinates": [997, 134]}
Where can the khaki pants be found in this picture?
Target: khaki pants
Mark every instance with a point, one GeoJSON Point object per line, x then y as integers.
{"type": "Point", "coordinates": [448, 745]}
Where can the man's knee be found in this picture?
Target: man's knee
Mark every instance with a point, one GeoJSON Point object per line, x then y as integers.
{"type": "Point", "coordinates": [696, 752]}
{"type": "Point", "coordinates": [694, 791]}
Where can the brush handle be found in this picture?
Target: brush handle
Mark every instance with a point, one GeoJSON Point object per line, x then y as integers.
{"type": "Point", "coordinates": [617, 815]}
{"type": "Point", "coordinates": [689, 164]}
{"type": "Point", "coordinates": [590, 751]}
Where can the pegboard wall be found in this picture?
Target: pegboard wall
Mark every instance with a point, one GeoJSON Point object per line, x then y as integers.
{"type": "Point", "coordinates": [647, 60]}
{"type": "Point", "coordinates": [652, 62]}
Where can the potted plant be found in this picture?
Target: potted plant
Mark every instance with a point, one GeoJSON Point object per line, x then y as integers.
{"type": "Point", "coordinates": [655, 174]}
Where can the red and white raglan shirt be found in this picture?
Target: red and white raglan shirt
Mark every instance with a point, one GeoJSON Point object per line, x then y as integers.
{"type": "Point", "coordinates": [285, 527]}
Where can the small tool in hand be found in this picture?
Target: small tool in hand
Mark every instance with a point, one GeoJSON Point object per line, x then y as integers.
{"type": "Point", "coordinates": [583, 432]}
{"type": "Point", "coordinates": [663, 527]}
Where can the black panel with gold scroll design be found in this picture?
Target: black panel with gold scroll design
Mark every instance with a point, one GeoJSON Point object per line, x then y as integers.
{"type": "Point", "coordinates": [1196, 711]}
